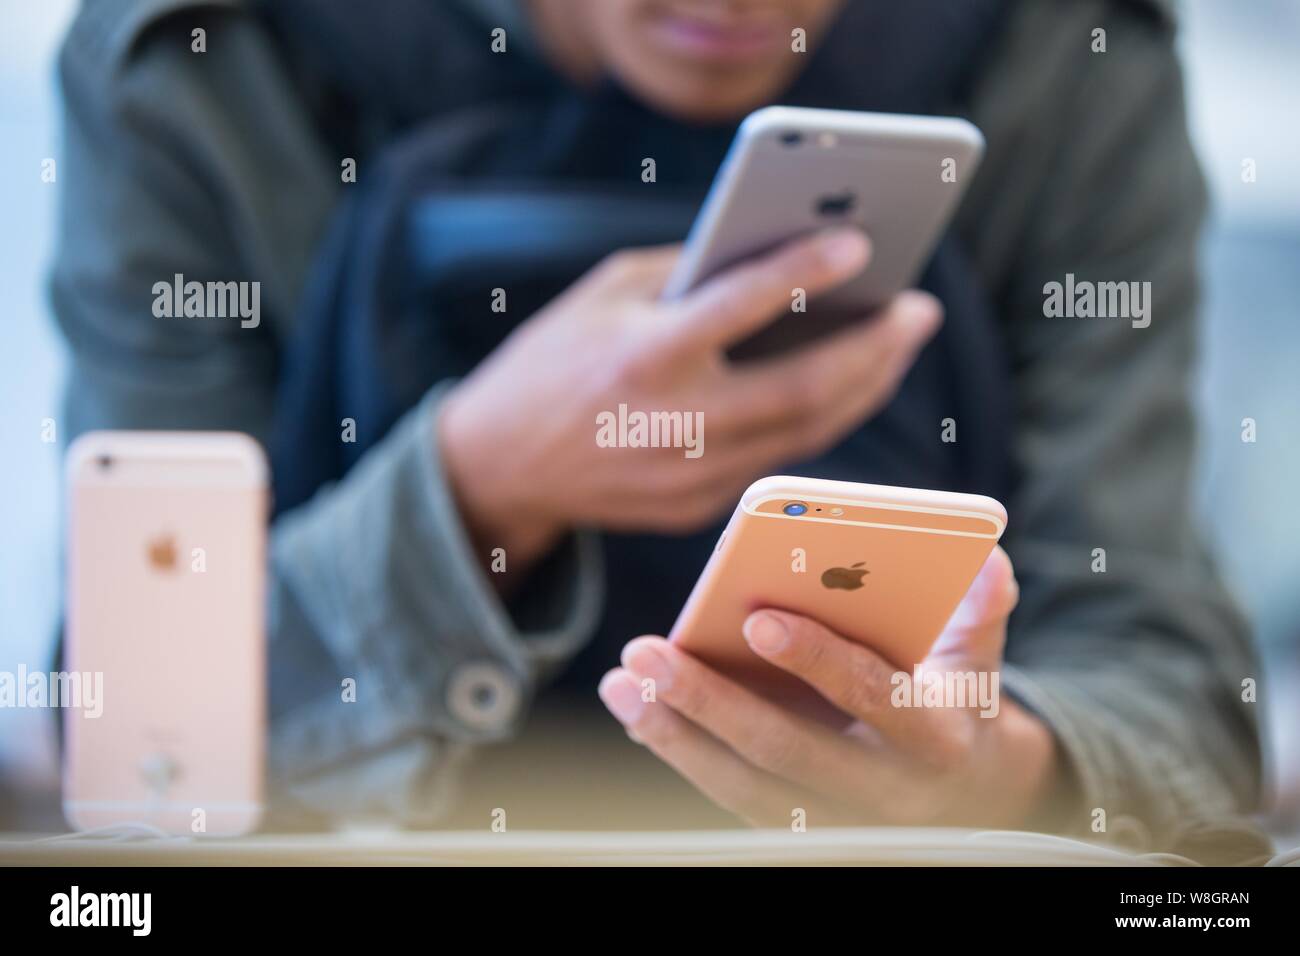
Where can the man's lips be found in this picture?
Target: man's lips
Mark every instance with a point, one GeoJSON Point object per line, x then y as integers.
{"type": "Point", "coordinates": [708, 40]}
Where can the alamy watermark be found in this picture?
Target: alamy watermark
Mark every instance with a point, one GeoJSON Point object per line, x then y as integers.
{"type": "Point", "coordinates": [66, 689]}
{"type": "Point", "coordinates": [958, 689]}
{"type": "Point", "coordinates": [133, 911]}
{"type": "Point", "coordinates": [208, 300]}
{"type": "Point", "coordinates": [634, 429]}
{"type": "Point", "coordinates": [1083, 299]}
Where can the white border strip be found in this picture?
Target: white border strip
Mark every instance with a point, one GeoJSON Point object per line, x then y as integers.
{"type": "Point", "coordinates": [144, 806]}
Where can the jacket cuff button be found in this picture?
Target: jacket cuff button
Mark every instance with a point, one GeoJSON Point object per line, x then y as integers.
{"type": "Point", "coordinates": [483, 697]}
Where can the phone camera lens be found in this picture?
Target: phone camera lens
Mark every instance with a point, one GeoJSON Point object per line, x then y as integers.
{"type": "Point", "coordinates": [105, 462]}
{"type": "Point", "coordinates": [795, 508]}
{"type": "Point", "coordinates": [791, 138]}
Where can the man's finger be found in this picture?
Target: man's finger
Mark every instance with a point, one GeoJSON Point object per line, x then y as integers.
{"type": "Point", "coordinates": [642, 270]}
{"type": "Point", "coordinates": [765, 734]}
{"type": "Point", "coordinates": [714, 769]}
{"type": "Point", "coordinates": [858, 681]}
{"type": "Point", "coordinates": [977, 630]}
{"type": "Point", "coordinates": [836, 381]}
{"type": "Point", "coordinates": [743, 299]}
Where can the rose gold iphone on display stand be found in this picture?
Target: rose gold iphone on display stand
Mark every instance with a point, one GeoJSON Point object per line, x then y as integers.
{"type": "Point", "coordinates": [880, 565]}
{"type": "Point", "coordinates": [165, 606]}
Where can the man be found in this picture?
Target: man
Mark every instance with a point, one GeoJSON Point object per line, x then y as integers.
{"type": "Point", "coordinates": [218, 140]}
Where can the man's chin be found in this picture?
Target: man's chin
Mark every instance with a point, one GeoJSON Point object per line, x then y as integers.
{"type": "Point", "coordinates": [707, 103]}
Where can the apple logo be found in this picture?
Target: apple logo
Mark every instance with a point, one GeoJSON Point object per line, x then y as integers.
{"type": "Point", "coordinates": [162, 553]}
{"type": "Point", "coordinates": [850, 579]}
{"type": "Point", "coordinates": [835, 204]}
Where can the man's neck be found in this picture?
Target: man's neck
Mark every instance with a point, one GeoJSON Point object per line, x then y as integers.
{"type": "Point", "coordinates": [560, 37]}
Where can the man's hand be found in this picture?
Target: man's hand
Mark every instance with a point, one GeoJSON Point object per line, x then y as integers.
{"type": "Point", "coordinates": [519, 435]}
{"type": "Point", "coordinates": [891, 765]}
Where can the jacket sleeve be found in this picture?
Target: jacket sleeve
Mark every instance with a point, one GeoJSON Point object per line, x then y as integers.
{"type": "Point", "coordinates": [1125, 640]}
{"type": "Point", "coordinates": [202, 164]}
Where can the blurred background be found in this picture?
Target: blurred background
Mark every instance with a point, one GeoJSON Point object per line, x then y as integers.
{"type": "Point", "coordinates": [1243, 74]}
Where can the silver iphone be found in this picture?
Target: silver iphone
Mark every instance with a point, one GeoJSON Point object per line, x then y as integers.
{"type": "Point", "coordinates": [793, 171]}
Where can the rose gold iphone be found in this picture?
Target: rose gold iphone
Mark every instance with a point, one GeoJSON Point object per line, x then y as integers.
{"type": "Point", "coordinates": [880, 565]}
{"type": "Point", "coordinates": [165, 607]}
